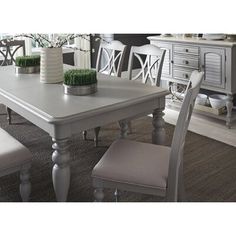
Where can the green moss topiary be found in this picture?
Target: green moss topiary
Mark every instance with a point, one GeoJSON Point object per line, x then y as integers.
{"type": "Point", "coordinates": [27, 61]}
{"type": "Point", "coordinates": [80, 77]}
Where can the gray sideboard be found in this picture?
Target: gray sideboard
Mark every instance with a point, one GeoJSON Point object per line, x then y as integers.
{"type": "Point", "coordinates": [216, 58]}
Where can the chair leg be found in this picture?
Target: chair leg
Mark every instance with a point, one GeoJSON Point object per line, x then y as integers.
{"type": "Point", "coordinates": [85, 135]}
{"type": "Point", "coordinates": [8, 110]}
{"type": "Point", "coordinates": [181, 193]}
{"type": "Point", "coordinates": [123, 128]}
{"type": "Point", "coordinates": [25, 185]}
{"type": "Point", "coordinates": [181, 189]}
{"type": "Point", "coordinates": [96, 133]}
{"type": "Point", "coordinates": [130, 127]}
{"type": "Point", "coordinates": [98, 194]}
{"type": "Point", "coordinates": [117, 195]}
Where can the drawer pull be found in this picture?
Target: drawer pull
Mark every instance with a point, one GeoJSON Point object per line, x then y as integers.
{"type": "Point", "coordinates": [186, 62]}
{"type": "Point", "coordinates": [186, 50]}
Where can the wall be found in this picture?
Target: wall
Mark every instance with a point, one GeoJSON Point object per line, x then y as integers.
{"type": "Point", "coordinates": [68, 58]}
{"type": "Point", "coordinates": [132, 40]}
{"type": "Point", "coordinates": [127, 39]}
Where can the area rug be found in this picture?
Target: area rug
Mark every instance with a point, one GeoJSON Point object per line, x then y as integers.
{"type": "Point", "coordinates": [206, 126]}
{"type": "Point", "coordinates": [209, 165]}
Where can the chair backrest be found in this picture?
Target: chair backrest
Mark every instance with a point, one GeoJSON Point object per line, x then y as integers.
{"type": "Point", "coordinates": [8, 50]}
{"type": "Point", "coordinates": [177, 146]}
{"type": "Point", "coordinates": [111, 54]}
{"type": "Point", "coordinates": [150, 58]}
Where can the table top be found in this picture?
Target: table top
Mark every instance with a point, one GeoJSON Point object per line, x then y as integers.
{"type": "Point", "coordinates": [223, 43]}
{"type": "Point", "coordinates": [50, 103]}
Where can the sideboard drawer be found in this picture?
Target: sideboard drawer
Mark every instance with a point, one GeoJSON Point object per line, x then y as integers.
{"type": "Point", "coordinates": [191, 50]}
{"type": "Point", "coordinates": [182, 74]}
{"type": "Point", "coordinates": [186, 61]}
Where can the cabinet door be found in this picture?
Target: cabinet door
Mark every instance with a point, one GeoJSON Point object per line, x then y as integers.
{"type": "Point", "coordinates": [213, 65]}
{"type": "Point", "coordinates": [167, 65]}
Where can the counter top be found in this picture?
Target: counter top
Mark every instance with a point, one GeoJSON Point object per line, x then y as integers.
{"type": "Point", "coordinates": [225, 43]}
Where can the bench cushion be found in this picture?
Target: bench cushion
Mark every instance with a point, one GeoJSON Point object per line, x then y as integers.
{"type": "Point", "coordinates": [12, 152]}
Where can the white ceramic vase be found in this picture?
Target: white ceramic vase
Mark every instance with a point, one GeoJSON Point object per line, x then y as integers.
{"type": "Point", "coordinates": [51, 65]}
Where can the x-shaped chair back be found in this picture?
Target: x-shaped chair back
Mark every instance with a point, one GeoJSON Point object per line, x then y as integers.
{"type": "Point", "coordinates": [111, 57]}
{"type": "Point", "coordinates": [8, 50]}
{"type": "Point", "coordinates": [150, 59]}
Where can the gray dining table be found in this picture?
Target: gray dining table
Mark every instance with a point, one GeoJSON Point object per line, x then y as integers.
{"type": "Point", "coordinates": [62, 116]}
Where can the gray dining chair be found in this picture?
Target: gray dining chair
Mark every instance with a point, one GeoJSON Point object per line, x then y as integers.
{"type": "Point", "coordinates": [14, 157]}
{"type": "Point", "coordinates": [149, 62]}
{"type": "Point", "coordinates": [8, 49]}
{"type": "Point", "coordinates": [145, 64]}
{"type": "Point", "coordinates": [148, 168]}
{"type": "Point", "coordinates": [111, 57]}
{"type": "Point", "coordinates": [109, 61]}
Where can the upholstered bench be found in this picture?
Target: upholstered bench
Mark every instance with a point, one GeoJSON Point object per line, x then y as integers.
{"type": "Point", "coordinates": [15, 157]}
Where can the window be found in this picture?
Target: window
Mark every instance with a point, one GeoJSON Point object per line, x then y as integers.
{"type": "Point", "coordinates": [51, 37]}
{"type": "Point", "coordinates": [35, 45]}
{"type": "Point", "coordinates": [5, 36]}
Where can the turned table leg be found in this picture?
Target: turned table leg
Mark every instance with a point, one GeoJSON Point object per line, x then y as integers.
{"type": "Point", "coordinates": [158, 134]}
{"type": "Point", "coordinates": [229, 106]}
{"type": "Point", "coordinates": [61, 168]}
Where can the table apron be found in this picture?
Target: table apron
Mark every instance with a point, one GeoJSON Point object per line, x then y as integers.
{"type": "Point", "coordinates": [66, 129]}
{"type": "Point", "coordinates": [129, 112]}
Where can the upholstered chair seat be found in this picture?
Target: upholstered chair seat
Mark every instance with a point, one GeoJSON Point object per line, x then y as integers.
{"type": "Point", "coordinates": [141, 168]}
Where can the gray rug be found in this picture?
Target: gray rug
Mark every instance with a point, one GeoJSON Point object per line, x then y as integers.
{"type": "Point", "coordinates": [209, 165]}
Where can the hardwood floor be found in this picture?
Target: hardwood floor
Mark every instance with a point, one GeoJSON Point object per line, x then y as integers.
{"type": "Point", "coordinates": [209, 127]}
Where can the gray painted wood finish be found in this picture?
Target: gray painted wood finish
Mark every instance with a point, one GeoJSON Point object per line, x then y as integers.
{"type": "Point", "coordinates": [215, 58]}
{"type": "Point", "coordinates": [8, 50]}
{"type": "Point", "coordinates": [62, 115]}
{"type": "Point", "coordinates": [113, 55]}
{"type": "Point", "coordinates": [150, 59]}
{"type": "Point", "coordinates": [122, 169]}
{"type": "Point", "coordinates": [109, 61]}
